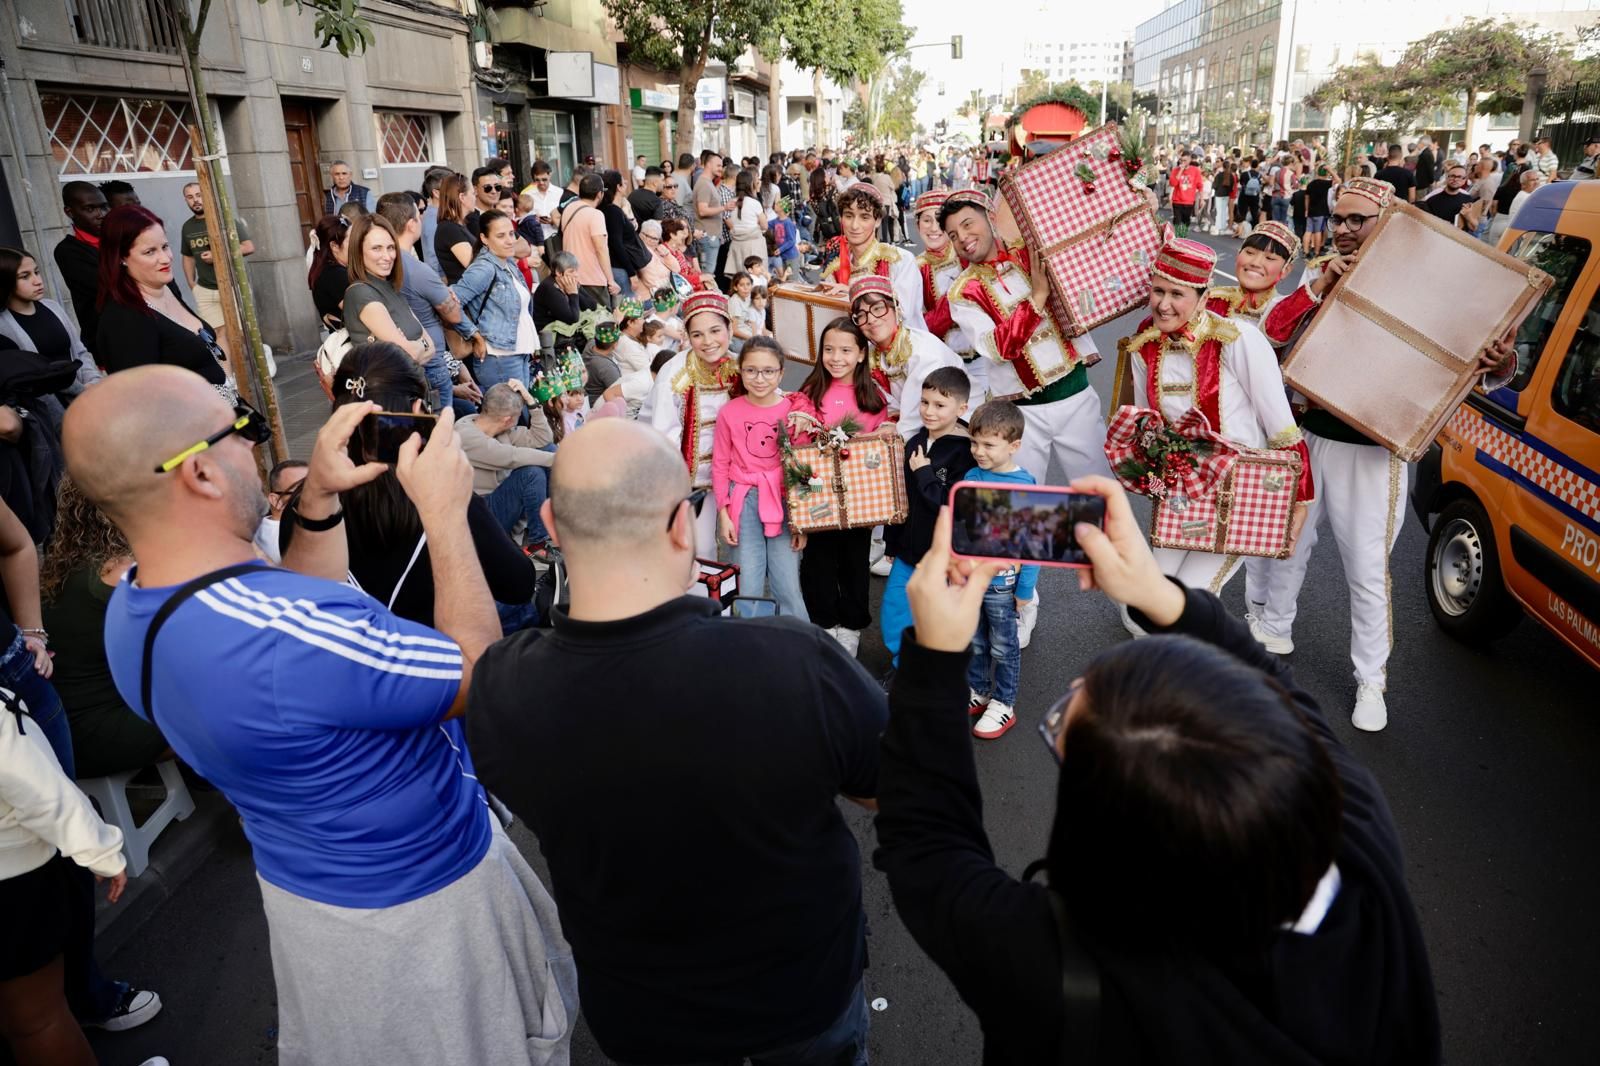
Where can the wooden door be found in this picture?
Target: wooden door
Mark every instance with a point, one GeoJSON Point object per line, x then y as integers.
{"type": "Point", "coordinates": [304, 173]}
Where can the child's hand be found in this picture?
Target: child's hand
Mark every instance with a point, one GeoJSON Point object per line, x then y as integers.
{"type": "Point", "coordinates": [1021, 603]}
{"type": "Point", "coordinates": [725, 526]}
{"type": "Point", "coordinates": [797, 541]}
{"type": "Point", "coordinates": [917, 459]}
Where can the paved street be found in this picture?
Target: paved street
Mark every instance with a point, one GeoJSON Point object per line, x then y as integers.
{"type": "Point", "coordinates": [1489, 764]}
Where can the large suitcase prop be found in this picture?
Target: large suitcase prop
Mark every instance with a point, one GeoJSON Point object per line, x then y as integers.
{"type": "Point", "coordinates": [799, 315]}
{"type": "Point", "coordinates": [1095, 229]}
{"type": "Point", "coordinates": [844, 480]}
{"type": "Point", "coordinates": [1207, 494]}
{"type": "Point", "coordinates": [1394, 358]}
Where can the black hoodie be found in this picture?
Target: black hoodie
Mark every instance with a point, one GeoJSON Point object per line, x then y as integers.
{"type": "Point", "coordinates": [927, 490]}
{"type": "Point", "coordinates": [1358, 990]}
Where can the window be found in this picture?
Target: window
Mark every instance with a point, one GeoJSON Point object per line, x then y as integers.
{"type": "Point", "coordinates": [1577, 391]}
{"type": "Point", "coordinates": [404, 137]}
{"type": "Point", "coordinates": [1563, 258]}
{"type": "Point", "coordinates": [115, 134]}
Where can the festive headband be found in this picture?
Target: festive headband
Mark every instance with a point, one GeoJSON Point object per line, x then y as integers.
{"type": "Point", "coordinates": [1381, 193]}
{"type": "Point", "coordinates": [714, 302]}
{"type": "Point", "coordinates": [1282, 235]}
{"type": "Point", "coordinates": [1185, 262]}
{"type": "Point", "coordinates": [931, 200]}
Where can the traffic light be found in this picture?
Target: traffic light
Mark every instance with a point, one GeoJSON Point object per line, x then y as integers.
{"type": "Point", "coordinates": [955, 46]}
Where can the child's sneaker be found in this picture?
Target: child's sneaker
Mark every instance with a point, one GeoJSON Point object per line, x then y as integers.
{"type": "Point", "coordinates": [1027, 618]}
{"type": "Point", "coordinates": [995, 721]}
{"type": "Point", "coordinates": [976, 704]}
{"type": "Point", "coordinates": [849, 639]}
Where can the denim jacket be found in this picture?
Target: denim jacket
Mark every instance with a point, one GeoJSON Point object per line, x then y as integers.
{"type": "Point", "coordinates": [496, 317]}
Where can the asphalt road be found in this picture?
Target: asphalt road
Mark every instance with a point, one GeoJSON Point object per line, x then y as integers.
{"type": "Point", "coordinates": [1488, 762]}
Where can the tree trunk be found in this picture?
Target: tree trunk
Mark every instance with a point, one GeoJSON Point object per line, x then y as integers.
{"type": "Point", "coordinates": [254, 381]}
{"type": "Point", "coordinates": [820, 129]}
{"type": "Point", "coordinates": [1472, 114]}
{"type": "Point", "coordinates": [689, 74]}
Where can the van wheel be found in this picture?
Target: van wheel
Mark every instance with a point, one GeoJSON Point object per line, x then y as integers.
{"type": "Point", "coordinates": [1466, 592]}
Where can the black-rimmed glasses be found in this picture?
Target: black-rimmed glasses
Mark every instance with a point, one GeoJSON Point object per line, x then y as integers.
{"type": "Point", "coordinates": [695, 499]}
{"type": "Point", "coordinates": [1354, 222]}
{"type": "Point", "coordinates": [1054, 722]}
{"type": "Point", "coordinates": [870, 310]}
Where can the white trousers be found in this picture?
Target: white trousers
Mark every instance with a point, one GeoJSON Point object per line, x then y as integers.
{"type": "Point", "coordinates": [1073, 430]}
{"type": "Point", "coordinates": [1361, 491]}
{"type": "Point", "coordinates": [1198, 570]}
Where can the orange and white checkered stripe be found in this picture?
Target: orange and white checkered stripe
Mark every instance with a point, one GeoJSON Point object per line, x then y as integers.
{"type": "Point", "coordinates": [1555, 478]}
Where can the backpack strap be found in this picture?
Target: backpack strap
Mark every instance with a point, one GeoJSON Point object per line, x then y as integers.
{"type": "Point", "coordinates": [165, 611]}
{"type": "Point", "coordinates": [1079, 1043]}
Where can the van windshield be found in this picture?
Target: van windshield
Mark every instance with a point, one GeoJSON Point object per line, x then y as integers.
{"type": "Point", "coordinates": [1562, 256]}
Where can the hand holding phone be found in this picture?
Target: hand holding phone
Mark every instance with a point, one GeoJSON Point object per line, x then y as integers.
{"type": "Point", "coordinates": [382, 433]}
{"type": "Point", "coordinates": [1033, 524]}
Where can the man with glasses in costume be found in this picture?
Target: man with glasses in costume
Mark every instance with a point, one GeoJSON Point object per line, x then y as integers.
{"type": "Point", "coordinates": [322, 717]}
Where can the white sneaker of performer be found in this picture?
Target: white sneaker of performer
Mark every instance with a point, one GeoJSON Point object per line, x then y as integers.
{"type": "Point", "coordinates": [1361, 490]}
{"type": "Point", "coordinates": [1370, 714]}
{"type": "Point", "coordinates": [1072, 430]}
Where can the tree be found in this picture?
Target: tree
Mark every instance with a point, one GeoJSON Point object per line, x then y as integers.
{"type": "Point", "coordinates": [338, 23]}
{"type": "Point", "coordinates": [684, 35]}
{"type": "Point", "coordinates": [1480, 56]}
{"type": "Point", "coordinates": [1377, 99]}
{"type": "Point", "coordinates": [897, 115]}
{"type": "Point", "coordinates": [808, 33]}
{"type": "Point", "coordinates": [1034, 83]}
{"type": "Point", "coordinates": [1073, 95]}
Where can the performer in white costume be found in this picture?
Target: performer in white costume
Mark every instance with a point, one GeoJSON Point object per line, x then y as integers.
{"type": "Point", "coordinates": [902, 355]}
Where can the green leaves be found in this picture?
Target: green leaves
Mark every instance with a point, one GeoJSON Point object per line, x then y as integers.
{"type": "Point", "coordinates": [338, 23]}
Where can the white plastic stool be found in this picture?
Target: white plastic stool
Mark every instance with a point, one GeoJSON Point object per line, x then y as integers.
{"type": "Point", "coordinates": [110, 794]}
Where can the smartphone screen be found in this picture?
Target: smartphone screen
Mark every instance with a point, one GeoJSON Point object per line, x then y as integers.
{"type": "Point", "coordinates": [382, 433]}
{"type": "Point", "coordinates": [1026, 524]}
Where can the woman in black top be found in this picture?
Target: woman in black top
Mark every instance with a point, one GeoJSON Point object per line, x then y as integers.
{"type": "Point", "coordinates": [824, 208]}
{"type": "Point", "coordinates": [559, 298]}
{"type": "Point", "coordinates": [453, 243]}
{"type": "Point", "coordinates": [328, 276]}
{"type": "Point", "coordinates": [1317, 211]}
{"type": "Point", "coordinates": [142, 320]}
{"type": "Point", "coordinates": [388, 555]}
{"type": "Point", "coordinates": [1229, 870]}
{"type": "Point", "coordinates": [628, 253]}
{"type": "Point", "coordinates": [38, 324]}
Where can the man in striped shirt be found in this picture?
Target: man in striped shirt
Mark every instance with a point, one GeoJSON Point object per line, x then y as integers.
{"type": "Point", "coordinates": [326, 721]}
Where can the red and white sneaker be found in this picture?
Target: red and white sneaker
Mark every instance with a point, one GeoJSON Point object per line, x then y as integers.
{"type": "Point", "coordinates": [976, 704]}
{"type": "Point", "coordinates": [995, 721]}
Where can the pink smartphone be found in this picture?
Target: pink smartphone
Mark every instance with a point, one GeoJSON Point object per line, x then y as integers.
{"type": "Point", "coordinates": [1032, 524]}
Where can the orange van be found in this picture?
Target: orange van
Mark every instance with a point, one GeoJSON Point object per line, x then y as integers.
{"type": "Point", "coordinates": [1510, 491]}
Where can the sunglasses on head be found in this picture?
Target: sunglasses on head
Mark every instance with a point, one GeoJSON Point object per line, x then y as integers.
{"type": "Point", "coordinates": [696, 500]}
{"type": "Point", "coordinates": [248, 423]}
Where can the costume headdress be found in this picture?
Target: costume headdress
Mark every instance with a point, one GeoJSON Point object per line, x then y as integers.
{"type": "Point", "coordinates": [1282, 235]}
{"type": "Point", "coordinates": [931, 200]}
{"type": "Point", "coordinates": [1381, 193]}
{"type": "Point", "coordinates": [607, 334]}
{"type": "Point", "coordinates": [1185, 262]}
{"type": "Point", "coordinates": [714, 302]}
{"type": "Point", "coordinates": [969, 196]}
{"type": "Point", "coordinates": [630, 308]}
{"type": "Point", "coordinates": [868, 284]}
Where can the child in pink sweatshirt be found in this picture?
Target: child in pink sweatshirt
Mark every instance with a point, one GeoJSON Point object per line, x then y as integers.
{"type": "Point", "coordinates": [747, 481]}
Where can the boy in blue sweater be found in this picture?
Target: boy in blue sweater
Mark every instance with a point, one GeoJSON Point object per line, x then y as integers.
{"type": "Point", "coordinates": [996, 431]}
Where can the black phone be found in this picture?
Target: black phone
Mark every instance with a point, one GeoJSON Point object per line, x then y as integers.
{"type": "Point", "coordinates": [1033, 524]}
{"type": "Point", "coordinates": [382, 433]}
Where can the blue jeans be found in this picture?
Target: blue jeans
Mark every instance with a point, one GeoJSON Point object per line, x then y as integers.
{"type": "Point", "coordinates": [624, 282]}
{"type": "Point", "coordinates": [438, 376]}
{"type": "Point", "coordinates": [497, 368]}
{"type": "Point", "coordinates": [995, 643]}
{"type": "Point", "coordinates": [90, 994]}
{"type": "Point", "coordinates": [894, 613]}
{"type": "Point", "coordinates": [709, 247]}
{"type": "Point", "coordinates": [843, 1043]}
{"type": "Point", "coordinates": [521, 495]}
{"type": "Point", "coordinates": [764, 559]}
{"type": "Point", "coordinates": [1280, 209]}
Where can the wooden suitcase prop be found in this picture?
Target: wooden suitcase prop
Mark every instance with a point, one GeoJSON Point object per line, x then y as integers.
{"type": "Point", "coordinates": [845, 480]}
{"type": "Point", "coordinates": [1095, 231]}
{"type": "Point", "coordinates": [1395, 358]}
{"type": "Point", "coordinates": [799, 314]}
{"type": "Point", "coordinates": [717, 581]}
{"type": "Point", "coordinates": [1207, 494]}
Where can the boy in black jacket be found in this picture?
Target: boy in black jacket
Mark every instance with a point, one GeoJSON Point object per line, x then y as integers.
{"type": "Point", "coordinates": [936, 457]}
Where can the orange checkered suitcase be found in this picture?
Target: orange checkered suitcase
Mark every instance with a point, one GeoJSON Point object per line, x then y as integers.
{"type": "Point", "coordinates": [854, 484]}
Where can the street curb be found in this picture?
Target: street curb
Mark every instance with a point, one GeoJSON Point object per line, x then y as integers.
{"type": "Point", "coordinates": [177, 854]}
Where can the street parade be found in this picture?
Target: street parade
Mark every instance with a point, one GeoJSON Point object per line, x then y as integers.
{"type": "Point", "coordinates": [528, 530]}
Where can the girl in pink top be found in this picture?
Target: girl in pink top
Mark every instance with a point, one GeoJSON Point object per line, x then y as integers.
{"type": "Point", "coordinates": [747, 481]}
{"type": "Point", "coordinates": [835, 573]}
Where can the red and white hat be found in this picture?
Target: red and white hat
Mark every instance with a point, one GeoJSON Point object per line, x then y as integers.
{"type": "Point", "coordinates": [1185, 262]}
{"type": "Point", "coordinates": [869, 284]}
{"type": "Point", "coordinates": [714, 302]}
{"type": "Point", "coordinates": [866, 188]}
{"type": "Point", "coordinates": [969, 196]}
{"type": "Point", "coordinates": [1279, 233]}
{"type": "Point", "coordinates": [1381, 193]}
{"type": "Point", "coordinates": [931, 200]}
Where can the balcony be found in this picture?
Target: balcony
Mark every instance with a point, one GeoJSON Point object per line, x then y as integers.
{"type": "Point", "coordinates": [130, 25]}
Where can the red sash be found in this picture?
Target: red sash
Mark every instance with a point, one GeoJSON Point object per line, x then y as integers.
{"type": "Point", "coordinates": [1207, 377]}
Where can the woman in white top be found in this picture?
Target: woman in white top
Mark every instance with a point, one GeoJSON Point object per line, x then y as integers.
{"type": "Point", "coordinates": [495, 301]}
{"type": "Point", "coordinates": [749, 223]}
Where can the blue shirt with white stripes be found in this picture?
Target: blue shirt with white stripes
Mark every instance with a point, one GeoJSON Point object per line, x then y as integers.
{"type": "Point", "coordinates": [320, 716]}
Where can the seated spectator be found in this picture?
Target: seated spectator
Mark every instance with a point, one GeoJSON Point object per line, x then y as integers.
{"type": "Point", "coordinates": [327, 275]}
{"type": "Point", "coordinates": [142, 318]}
{"type": "Point", "coordinates": [282, 480]}
{"type": "Point", "coordinates": [747, 938]}
{"type": "Point", "coordinates": [748, 321]}
{"type": "Point", "coordinates": [374, 308]}
{"type": "Point", "coordinates": [389, 557]}
{"type": "Point", "coordinates": [656, 272]}
{"type": "Point", "coordinates": [630, 354]}
{"type": "Point", "coordinates": [509, 462]}
{"type": "Point", "coordinates": [39, 324]}
{"type": "Point", "coordinates": [675, 235]}
{"type": "Point", "coordinates": [1230, 870]}
{"type": "Point", "coordinates": [600, 361]}
{"type": "Point", "coordinates": [83, 563]}
{"type": "Point", "coordinates": [559, 297]}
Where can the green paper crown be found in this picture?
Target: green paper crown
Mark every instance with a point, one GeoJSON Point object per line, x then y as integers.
{"type": "Point", "coordinates": [607, 333]}
{"type": "Point", "coordinates": [665, 298]}
{"type": "Point", "coordinates": [630, 308]}
{"type": "Point", "coordinates": [563, 375]}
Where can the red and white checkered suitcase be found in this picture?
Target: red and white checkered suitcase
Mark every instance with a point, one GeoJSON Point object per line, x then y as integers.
{"type": "Point", "coordinates": [857, 485]}
{"type": "Point", "coordinates": [1096, 233]}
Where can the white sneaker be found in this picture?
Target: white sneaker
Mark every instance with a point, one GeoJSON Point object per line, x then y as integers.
{"type": "Point", "coordinates": [1027, 618]}
{"type": "Point", "coordinates": [159, 1060]}
{"type": "Point", "coordinates": [1370, 714]}
{"type": "Point", "coordinates": [849, 640]}
{"type": "Point", "coordinates": [1276, 645]}
{"type": "Point", "coordinates": [1130, 625]}
{"type": "Point", "coordinates": [138, 1006]}
{"type": "Point", "coordinates": [997, 718]}
{"type": "Point", "coordinates": [976, 703]}
{"type": "Point", "coordinates": [883, 566]}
